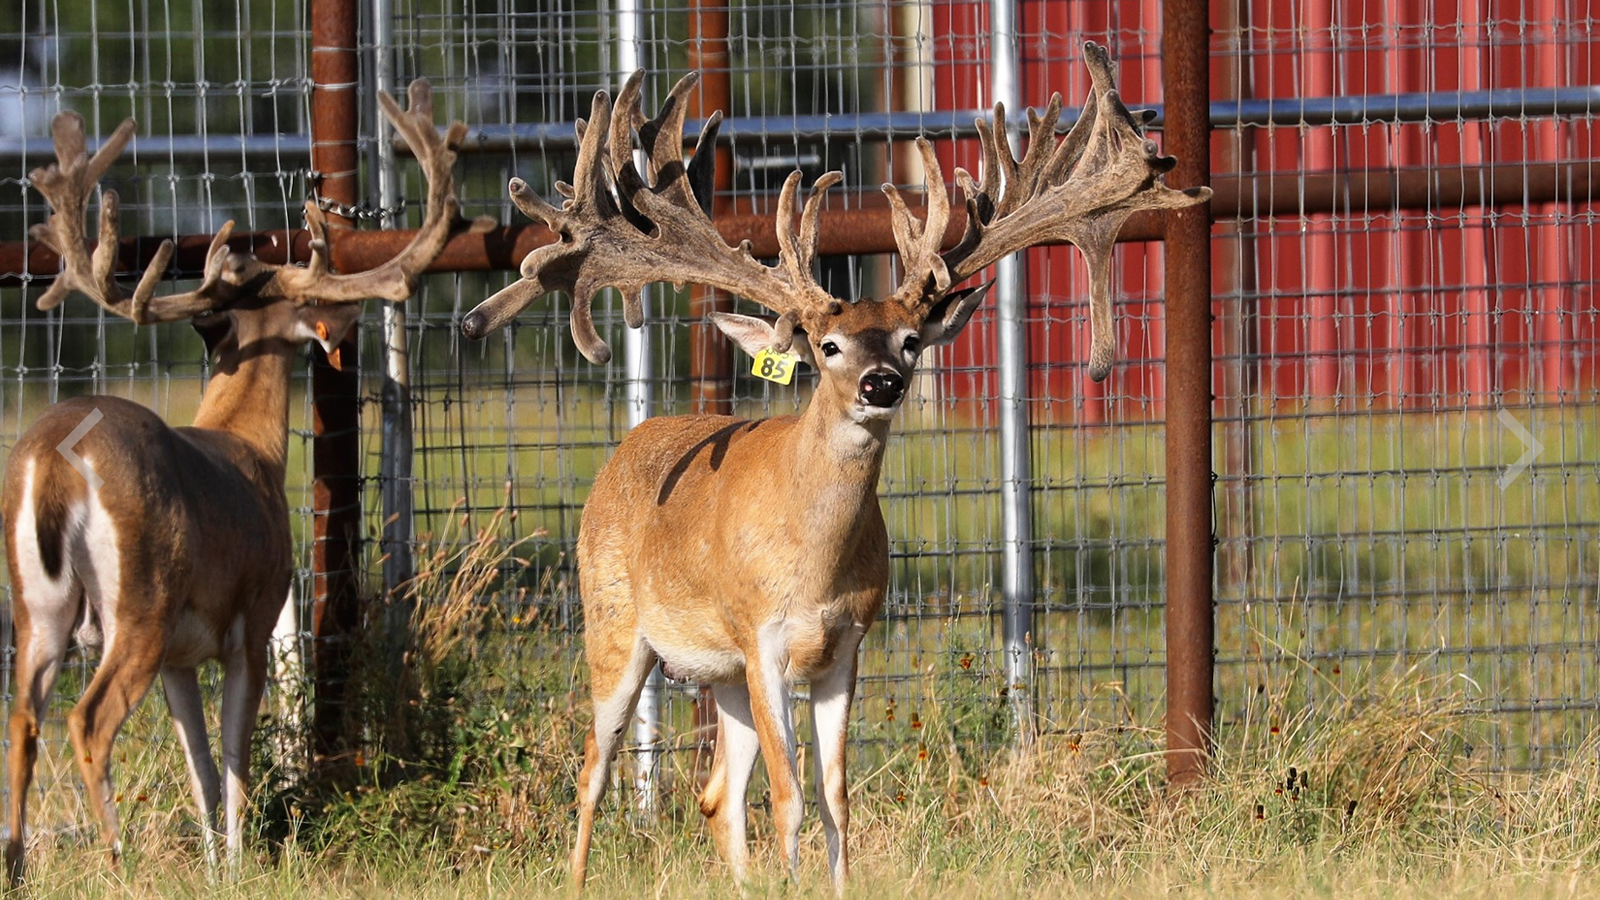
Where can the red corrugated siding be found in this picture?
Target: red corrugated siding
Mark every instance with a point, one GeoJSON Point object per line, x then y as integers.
{"type": "Point", "coordinates": [1363, 307]}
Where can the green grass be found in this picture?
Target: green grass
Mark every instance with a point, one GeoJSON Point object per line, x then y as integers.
{"type": "Point", "coordinates": [1365, 533]}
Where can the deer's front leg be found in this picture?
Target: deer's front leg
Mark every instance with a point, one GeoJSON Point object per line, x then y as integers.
{"type": "Point", "coordinates": [244, 680]}
{"type": "Point", "coordinates": [832, 693]}
{"type": "Point", "coordinates": [184, 704]}
{"type": "Point", "coordinates": [769, 711]}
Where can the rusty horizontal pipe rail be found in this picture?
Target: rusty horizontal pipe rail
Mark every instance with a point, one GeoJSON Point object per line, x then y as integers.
{"type": "Point", "coordinates": [865, 226]}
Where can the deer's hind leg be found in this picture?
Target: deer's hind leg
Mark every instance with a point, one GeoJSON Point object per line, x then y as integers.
{"type": "Point", "coordinates": [45, 605]}
{"type": "Point", "coordinates": [126, 672]}
{"type": "Point", "coordinates": [133, 601]}
{"type": "Point", "coordinates": [618, 670]}
{"type": "Point", "coordinates": [44, 614]}
{"type": "Point", "coordinates": [724, 799]}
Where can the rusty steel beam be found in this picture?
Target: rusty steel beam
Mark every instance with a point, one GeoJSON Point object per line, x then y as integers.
{"type": "Point", "coordinates": [1191, 625]}
{"type": "Point", "coordinates": [335, 395]}
{"type": "Point", "coordinates": [710, 353]}
{"type": "Point", "coordinates": [864, 226]}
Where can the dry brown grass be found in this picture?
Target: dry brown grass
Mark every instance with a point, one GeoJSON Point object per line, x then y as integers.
{"type": "Point", "coordinates": [1378, 792]}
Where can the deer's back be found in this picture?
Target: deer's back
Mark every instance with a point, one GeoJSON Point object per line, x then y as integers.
{"type": "Point", "coordinates": [190, 517]}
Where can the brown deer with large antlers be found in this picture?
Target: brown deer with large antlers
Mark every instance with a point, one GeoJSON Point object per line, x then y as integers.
{"type": "Point", "coordinates": [751, 554]}
{"type": "Point", "coordinates": [171, 546]}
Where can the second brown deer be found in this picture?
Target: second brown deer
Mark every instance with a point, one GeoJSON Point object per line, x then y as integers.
{"type": "Point", "coordinates": [753, 554]}
{"type": "Point", "coordinates": [167, 547]}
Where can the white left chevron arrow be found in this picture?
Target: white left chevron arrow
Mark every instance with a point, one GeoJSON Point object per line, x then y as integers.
{"type": "Point", "coordinates": [71, 440]}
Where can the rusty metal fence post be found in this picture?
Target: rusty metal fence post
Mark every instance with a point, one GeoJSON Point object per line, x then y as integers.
{"type": "Point", "coordinates": [336, 447]}
{"type": "Point", "coordinates": [710, 354]}
{"type": "Point", "coordinates": [1191, 623]}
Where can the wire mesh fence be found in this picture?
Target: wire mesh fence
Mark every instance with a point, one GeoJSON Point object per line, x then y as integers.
{"type": "Point", "coordinates": [1379, 356]}
{"type": "Point", "coordinates": [1373, 333]}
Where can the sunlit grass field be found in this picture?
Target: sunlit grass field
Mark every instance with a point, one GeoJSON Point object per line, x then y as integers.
{"type": "Point", "coordinates": [1392, 624]}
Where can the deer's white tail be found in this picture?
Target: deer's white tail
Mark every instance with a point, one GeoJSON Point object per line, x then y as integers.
{"type": "Point", "coordinates": [68, 561]}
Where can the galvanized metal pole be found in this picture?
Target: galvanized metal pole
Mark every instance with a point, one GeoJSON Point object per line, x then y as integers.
{"type": "Point", "coordinates": [287, 700]}
{"type": "Point", "coordinates": [636, 367]}
{"type": "Point", "coordinates": [1016, 463]}
{"type": "Point", "coordinates": [394, 466]}
{"type": "Point", "coordinates": [1235, 281]}
{"type": "Point", "coordinates": [1190, 621]}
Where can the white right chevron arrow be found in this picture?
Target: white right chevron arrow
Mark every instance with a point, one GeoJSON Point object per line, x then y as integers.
{"type": "Point", "coordinates": [1534, 448]}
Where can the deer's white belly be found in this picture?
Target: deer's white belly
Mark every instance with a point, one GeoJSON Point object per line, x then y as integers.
{"type": "Point", "coordinates": [685, 662]}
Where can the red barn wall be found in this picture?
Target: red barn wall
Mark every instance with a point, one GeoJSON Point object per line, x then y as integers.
{"type": "Point", "coordinates": [1362, 307]}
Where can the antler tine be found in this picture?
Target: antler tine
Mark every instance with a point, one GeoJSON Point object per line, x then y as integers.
{"type": "Point", "coordinates": [66, 184]}
{"type": "Point", "coordinates": [926, 276]}
{"type": "Point", "coordinates": [396, 279]}
{"type": "Point", "coordinates": [1080, 191]}
{"type": "Point", "coordinates": [797, 253]}
{"type": "Point", "coordinates": [556, 266]}
{"type": "Point", "coordinates": [661, 138]}
{"type": "Point", "coordinates": [645, 232]}
{"type": "Point", "coordinates": [627, 118]}
{"type": "Point", "coordinates": [1027, 173]}
{"type": "Point", "coordinates": [216, 289]}
{"type": "Point", "coordinates": [703, 167]}
{"type": "Point", "coordinates": [811, 219]}
{"type": "Point", "coordinates": [629, 111]}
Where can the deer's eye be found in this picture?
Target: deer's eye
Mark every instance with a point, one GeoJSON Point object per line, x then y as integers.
{"type": "Point", "coordinates": [829, 348]}
{"type": "Point", "coordinates": [913, 344]}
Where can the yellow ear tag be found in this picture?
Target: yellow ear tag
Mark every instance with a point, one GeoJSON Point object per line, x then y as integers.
{"type": "Point", "coordinates": [774, 366]}
{"type": "Point", "coordinates": [333, 355]}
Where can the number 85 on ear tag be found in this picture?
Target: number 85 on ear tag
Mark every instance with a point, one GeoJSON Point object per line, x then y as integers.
{"type": "Point", "coordinates": [774, 366]}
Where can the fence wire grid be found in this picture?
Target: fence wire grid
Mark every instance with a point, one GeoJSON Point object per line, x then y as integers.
{"type": "Point", "coordinates": [1369, 345]}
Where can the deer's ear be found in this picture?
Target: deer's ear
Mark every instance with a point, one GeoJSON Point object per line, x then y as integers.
{"type": "Point", "coordinates": [754, 334]}
{"type": "Point", "coordinates": [952, 314]}
{"type": "Point", "coordinates": [215, 329]}
{"type": "Point", "coordinates": [327, 325]}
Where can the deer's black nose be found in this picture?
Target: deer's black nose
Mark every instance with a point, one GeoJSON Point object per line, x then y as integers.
{"type": "Point", "coordinates": [882, 389]}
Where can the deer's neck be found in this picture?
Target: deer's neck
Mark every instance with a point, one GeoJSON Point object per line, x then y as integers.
{"type": "Point", "coordinates": [834, 474]}
{"type": "Point", "coordinates": [250, 400]}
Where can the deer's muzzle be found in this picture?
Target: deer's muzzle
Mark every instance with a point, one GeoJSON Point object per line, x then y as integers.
{"type": "Point", "coordinates": [882, 389]}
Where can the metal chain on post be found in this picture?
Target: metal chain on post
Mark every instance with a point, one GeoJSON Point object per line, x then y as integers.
{"type": "Point", "coordinates": [1016, 462]}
